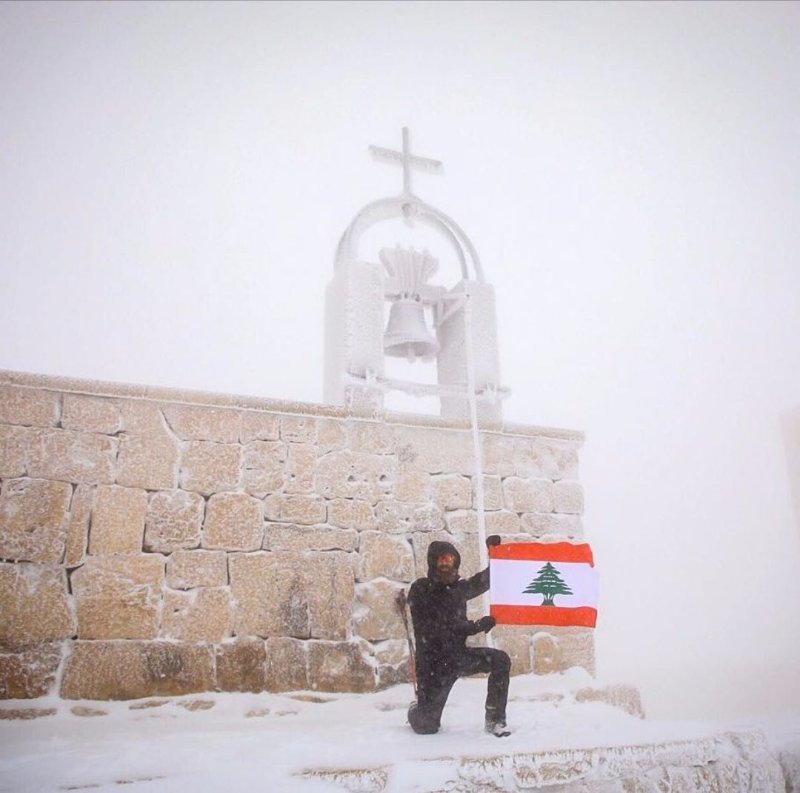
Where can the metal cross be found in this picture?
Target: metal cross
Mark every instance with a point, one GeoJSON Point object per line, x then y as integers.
{"type": "Point", "coordinates": [406, 159]}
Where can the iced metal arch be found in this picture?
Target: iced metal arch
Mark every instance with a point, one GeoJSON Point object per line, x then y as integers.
{"type": "Point", "coordinates": [407, 205]}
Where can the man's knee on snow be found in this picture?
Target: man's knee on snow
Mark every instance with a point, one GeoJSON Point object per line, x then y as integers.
{"type": "Point", "coordinates": [420, 722]}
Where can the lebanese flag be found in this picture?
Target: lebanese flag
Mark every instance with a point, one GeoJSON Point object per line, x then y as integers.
{"type": "Point", "coordinates": [540, 583]}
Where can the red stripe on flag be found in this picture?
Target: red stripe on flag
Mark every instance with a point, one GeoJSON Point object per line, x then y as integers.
{"type": "Point", "coordinates": [583, 616]}
{"type": "Point", "coordinates": [543, 552]}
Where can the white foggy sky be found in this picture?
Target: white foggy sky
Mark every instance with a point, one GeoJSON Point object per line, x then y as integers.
{"type": "Point", "coordinates": [174, 179]}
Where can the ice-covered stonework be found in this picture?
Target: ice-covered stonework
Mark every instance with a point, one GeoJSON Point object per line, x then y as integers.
{"type": "Point", "coordinates": [566, 739]}
{"type": "Point", "coordinates": [155, 542]}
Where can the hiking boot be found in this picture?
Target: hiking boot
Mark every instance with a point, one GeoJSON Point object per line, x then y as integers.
{"type": "Point", "coordinates": [497, 727]}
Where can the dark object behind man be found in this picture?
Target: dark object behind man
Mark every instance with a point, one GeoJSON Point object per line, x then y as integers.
{"type": "Point", "coordinates": [438, 605]}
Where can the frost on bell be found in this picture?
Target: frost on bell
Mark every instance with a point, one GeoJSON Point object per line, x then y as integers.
{"type": "Point", "coordinates": [407, 334]}
{"type": "Point", "coordinates": [392, 307]}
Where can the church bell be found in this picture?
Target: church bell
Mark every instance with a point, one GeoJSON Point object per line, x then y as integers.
{"type": "Point", "coordinates": [407, 334]}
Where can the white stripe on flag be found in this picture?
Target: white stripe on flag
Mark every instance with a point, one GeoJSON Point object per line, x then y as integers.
{"type": "Point", "coordinates": [510, 578]}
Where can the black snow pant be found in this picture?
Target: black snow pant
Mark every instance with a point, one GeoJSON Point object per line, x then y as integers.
{"type": "Point", "coordinates": [425, 714]}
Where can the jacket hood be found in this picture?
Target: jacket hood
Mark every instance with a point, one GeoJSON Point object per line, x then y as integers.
{"type": "Point", "coordinates": [435, 550]}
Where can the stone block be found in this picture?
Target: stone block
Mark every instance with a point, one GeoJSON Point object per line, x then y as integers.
{"type": "Point", "coordinates": [83, 457]}
{"type": "Point", "coordinates": [346, 474]}
{"type": "Point", "coordinates": [91, 414]}
{"type": "Point", "coordinates": [299, 429]}
{"type": "Point", "coordinates": [541, 524]}
{"type": "Point", "coordinates": [516, 641]}
{"type": "Point", "coordinates": [263, 467]}
{"type": "Point", "coordinates": [576, 648]}
{"type": "Point", "coordinates": [546, 659]}
{"type": "Point", "coordinates": [412, 486]}
{"type": "Point", "coordinates": [300, 468]}
{"type": "Point", "coordinates": [492, 492]}
{"type": "Point", "coordinates": [234, 521]}
{"type": "Point", "coordinates": [118, 597]}
{"type": "Point", "coordinates": [142, 417]}
{"type": "Point", "coordinates": [307, 510]}
{"type": "Point", "coordinates": [392, 660]}
{"type": "Point", "coordinates": [199, 615]}
{"type": "Point", "coordinates": [210, 467]}
{"type": "Point", "coordinates": [78, 526]}
{"type": "Point", "coordinates": [270, 596]}
{"type": "Point", "coordinates": [434, 450]}
{"type": "Point", "coordinates": [472, 561]}
{"type": "Point", "coordinates": [148, 461]}
{"type": "Point", "coordinates": [134, 670]}
{"type": "Point", "coordinates": [259, 426]}
{"type": "Point", "coordinates": [373, 437]}
{"type": "Point", "coordinates": [287, 664]}
{"type": "Point", "coordinates": [351, 514]}
{"type": "Point", "coordinates": [290, 537]}
{"type": "Point", "coordinates": [625, 698]}
{"type": "Point", "coordinates": [528, 495]}
{"type": "Point", "coordinates": [397, 517]}
{"type": "Point", "coordinates": [498, 522]}
{"type": "Point", "coordinates": [82, 710]}
{"type": "Point", "coordinates": [538, 457]}
{"type": "Point", "coordinates": [13, 442]}
{"type": "Point", "coordinates": [29, 672]}
{"type": "Point", "coordinates": [30, 407]}
{"type": "Point", "coordinates": [196, 704]}
{"type": "Point", "coordinates": [117, 520]}
{"type": "Point", "coordinates": [173, 521]}
{"type": "Point", "coordinates": [33, 520]}
{"type": "Point", "coordinates": [34, 604]}
{"type": "Point", "coordinates": [568, 497]}
{"type": "Point", "coordinates": [200, 423]}
{"type": "Point", "coordinates": [390, 652]}
{"type": "Point", "coordinates": [559, 649]}
{"type": "Point", "coordinates": [191, 569]}
{"type": "Point", "coordinates": [331, 434]}
{"type": "Point", "coordinates": [26, 714]}
{"type": "Point", "coordinates": [499, 455]}
{"type": "Point", "coordinates": [375, 613]}
{"type": "Point", "coordinates": [383, 556]}
{"type": "Point", "coordinates": [330, 582]}
{"type": "Point", "coordinates": [340, 667]}
{"type": "Point", "coordinates": [242, 665]}
{"type": "Point", "coordinates": [548, 458]}
{"type": "Point", "coordinates": [452, 491]}
{"type": "Point", "coordinates": [147, 704]}
{"type": "Point", "coordinates": [299, 594]}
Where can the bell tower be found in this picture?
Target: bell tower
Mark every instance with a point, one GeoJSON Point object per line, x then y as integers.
{"type": "Point", "coordinates": [393, 307]}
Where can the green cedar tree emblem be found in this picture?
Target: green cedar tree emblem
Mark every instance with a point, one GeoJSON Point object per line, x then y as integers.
{"type": "Point", "coordinates": [548, 582]}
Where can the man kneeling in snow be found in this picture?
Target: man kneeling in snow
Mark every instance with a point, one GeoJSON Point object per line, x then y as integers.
{"type": "Point", "coordinates": [439, 611]}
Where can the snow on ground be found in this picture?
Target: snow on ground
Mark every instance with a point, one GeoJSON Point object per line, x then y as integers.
{"type": "Point", "coordinates": [238, 742]}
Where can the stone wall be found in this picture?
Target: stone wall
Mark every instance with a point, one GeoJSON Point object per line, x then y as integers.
{"type": "Point", "coordinates": [156, 542]}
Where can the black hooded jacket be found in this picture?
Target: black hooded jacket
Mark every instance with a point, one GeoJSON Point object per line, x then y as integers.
{"type": "Point", "coordinates": [439, 613]}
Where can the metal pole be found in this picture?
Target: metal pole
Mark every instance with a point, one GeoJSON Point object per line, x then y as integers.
{"type": "Point", "coordinates": [476, 449]}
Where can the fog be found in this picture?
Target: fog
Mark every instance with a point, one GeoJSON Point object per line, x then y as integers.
{"type": "Point", "coordinates": [174, 179]}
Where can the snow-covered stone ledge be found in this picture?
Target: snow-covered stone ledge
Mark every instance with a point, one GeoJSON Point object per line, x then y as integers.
{"type": "Point", "coordinates": [157, 542]}
{"type": "Point", "coordinates": [730, 762]}
{"type": "Point", "coordinates": [571, 735]}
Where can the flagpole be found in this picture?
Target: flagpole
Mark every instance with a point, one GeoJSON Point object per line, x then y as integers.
{"type": "Point", "coordinates": [476, 450]}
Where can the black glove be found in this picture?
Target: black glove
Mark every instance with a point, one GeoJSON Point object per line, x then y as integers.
{"type": "Point", "coordinates": [485, 624]}
{"type": "Point", "coordinates": [493, 539]}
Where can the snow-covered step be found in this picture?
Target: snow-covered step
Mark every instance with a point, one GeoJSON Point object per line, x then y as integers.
{"type": "Point", "coordinates": [571, 734]}
{"type": "Point", "coordinates": [730, 762]}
